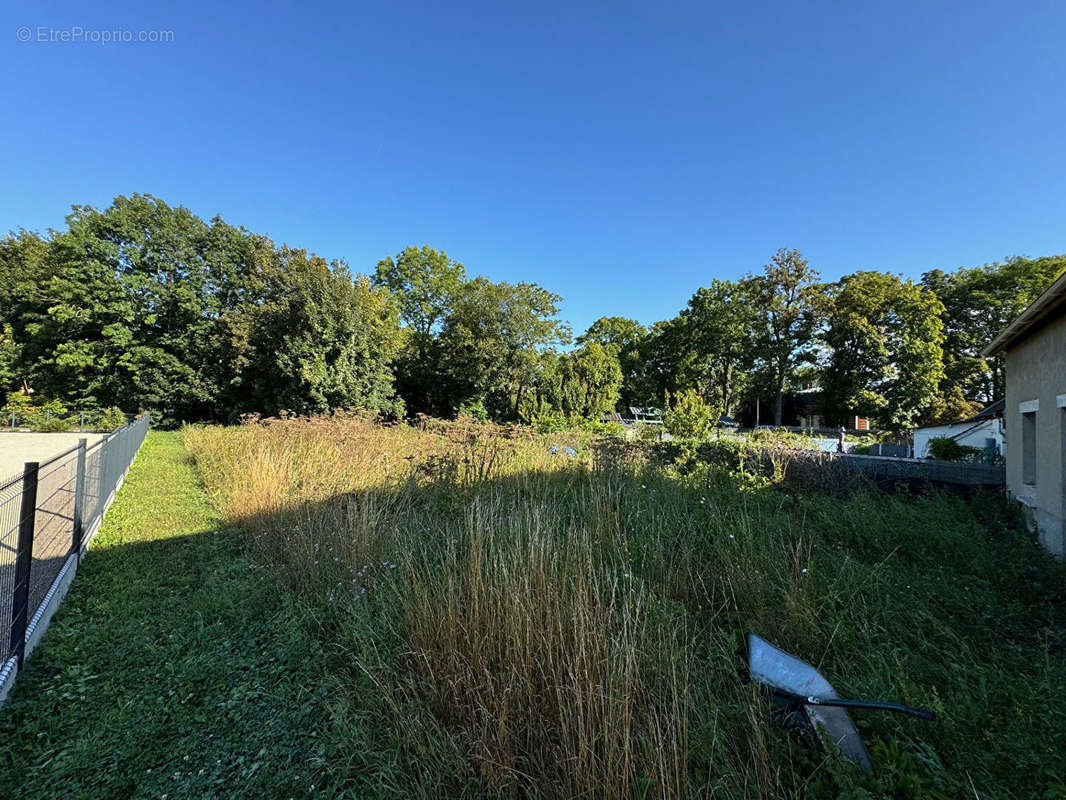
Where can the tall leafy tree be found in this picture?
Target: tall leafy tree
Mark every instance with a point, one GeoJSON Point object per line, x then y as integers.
{"type": "Point", "coordinates": [718, 341]}
{"type": "Point", "coordinates": [978, 303]}
{"type": "Point", "coordinates": [626, 338]}
{"type": "Point", "coordinates": [321, 341]}
{"type": "Point", "coordinates": [785, 299]}
{"type": "Point", "coordinates": [885, 337]}
{"type": "Point", "coordinates": [492, 338]}
{"type": "Point", "coordinates": [663, 353]}
{"type": "Point", "coordinates": [146, 306]}
{"type": "Point", "coordinates": [425, 283]}
{"type": "Point", "coordinates": [590, 380]}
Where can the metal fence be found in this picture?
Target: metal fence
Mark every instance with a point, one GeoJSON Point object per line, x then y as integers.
{"type": "Point", "coordinates": [48, 514]}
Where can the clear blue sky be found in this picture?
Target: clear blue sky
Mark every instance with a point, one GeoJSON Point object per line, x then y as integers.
{"type": "Point", "coordinates": [620, 155]}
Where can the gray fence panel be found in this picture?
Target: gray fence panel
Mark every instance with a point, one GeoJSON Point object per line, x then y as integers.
{"type": "Point", "coordinates": [99, 471]}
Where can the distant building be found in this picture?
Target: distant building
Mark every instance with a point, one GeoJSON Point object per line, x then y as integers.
{"type": "Point", "coordinates": [1035, 412]}
{"type": "Point", "coordinates": [983, 430]}
{"type": "Point", "coordinates": [809, 411]}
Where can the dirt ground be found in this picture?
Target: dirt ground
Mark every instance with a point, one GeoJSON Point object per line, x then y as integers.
{"type": "Point", "coordinates": [18, 448]}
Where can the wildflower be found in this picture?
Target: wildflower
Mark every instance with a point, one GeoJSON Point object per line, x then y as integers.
{"type": "Point", "coordinates": [392, 566]}
{"type": "Point", "coordinates": [642, 486]}
{"type": "Point", "coordinates": [731, 536]}
{"type": "Point", "coordinates": [316, 563]}
{"type": "Point", "coordinates": [803, 571]}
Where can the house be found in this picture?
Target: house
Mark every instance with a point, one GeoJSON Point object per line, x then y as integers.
{"type": "Point", "coordinates": [983, 430]}
{"type": "Point", "coordinates": [1035, 411]}
{"type": "Point", "coordinates": [809, 411]}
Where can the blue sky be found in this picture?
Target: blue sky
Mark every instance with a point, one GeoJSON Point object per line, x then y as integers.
{"type": "Point", "coordinates": [619, 154]}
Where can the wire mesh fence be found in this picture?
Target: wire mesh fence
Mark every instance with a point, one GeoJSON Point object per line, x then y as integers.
{"type": "Point", "coordinates": [47, 515]}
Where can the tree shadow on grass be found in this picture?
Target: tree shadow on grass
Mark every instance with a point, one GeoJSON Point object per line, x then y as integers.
{"type": "Point", "coordinates": [176, 666]}
{"type": "Point", "coordinates": [878, 589]}
{"type": "Point", "coordinates": [172, 668]}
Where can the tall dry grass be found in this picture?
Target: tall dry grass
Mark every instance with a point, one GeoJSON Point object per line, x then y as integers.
{"type": "Point", "coordinates": [525, 633]}
{"type": "Point", "coordinates": [505, 621]}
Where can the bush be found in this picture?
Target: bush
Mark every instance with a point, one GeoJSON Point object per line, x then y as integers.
{"type": "Point", "coordinates": [944, 449]}
{"type": "Point", "coordinates": [473, 408]}
{"type": "Point", "coordinates": [550, 423]}
{"type": "Point", "coordinates": [108, 419]}
{"type": "Point", "coordinates": [38, 413]}
{"type": "Point", "coordinates": [690, 417]}
{"type": "Point", "coordinates": [649, 433]}
{"type": "Point", "coordinates": [611, 430]}
{"type": "Point", "coordinates": [52, 424]}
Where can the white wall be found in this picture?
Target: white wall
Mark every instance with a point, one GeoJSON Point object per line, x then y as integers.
{"type": "Point", "coordinates": [975, 435]}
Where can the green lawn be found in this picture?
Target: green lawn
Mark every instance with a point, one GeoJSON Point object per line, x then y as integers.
{"type": "Point", "coordinates": [172, 668]}
{"type": "Point", "coordinates": [435, 615]}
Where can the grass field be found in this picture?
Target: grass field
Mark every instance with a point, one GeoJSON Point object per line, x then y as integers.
{"type": "Point", "coordinates": [172, 669]}
{"type": "Point", "coordinates": [371, 612]}
{"type": "Point", "coordinates": [502, 621]}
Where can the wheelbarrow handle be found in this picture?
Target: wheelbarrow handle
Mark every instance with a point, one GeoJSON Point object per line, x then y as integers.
{"type": "Point", "coordinates": [920, 713]}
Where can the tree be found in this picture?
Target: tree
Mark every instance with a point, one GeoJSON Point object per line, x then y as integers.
{"type": "Point", "coordinates": [145, 306]}
{"type": "Point", "coordinates": [626, 337]}
{"type": "Point", "coordinates": [717, 331]}
{"type": "Point", "coordinates": [425, 283]}
{"type": "Point", "coordinates": [690, 417]}
{"type": "Point", "coordinates": [590, 380]}
{"type": "Point", "coordinates": [663, 353]}
{"type": "Point", "coordinates": [9, 359]}
{"type": "Point", "coordinates": [784, 299]}
{"type": "Point", "coordinates": [493, 338]}
{"type": "Point", "coordinates": [885, 338]}
{"type": "Point", "coordinates": [978, 303]}
{"type": "Point", "coordinates": [320, 341]}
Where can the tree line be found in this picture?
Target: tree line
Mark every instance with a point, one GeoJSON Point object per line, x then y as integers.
{"type": "Point", "coordinates": [145, 306]}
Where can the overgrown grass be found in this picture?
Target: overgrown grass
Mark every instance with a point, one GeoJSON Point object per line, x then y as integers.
{"type": "Point", "coordinates": [172, 669]}
{"type": "Point", "coordinates": [560, 627]}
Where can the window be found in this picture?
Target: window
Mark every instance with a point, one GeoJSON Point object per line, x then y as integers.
{"type": "Point", "coordinates": [1029, 448]}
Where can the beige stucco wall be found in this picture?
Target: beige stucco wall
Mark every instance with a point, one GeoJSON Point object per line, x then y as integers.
{"type": "Point", "coordinates": [1036, 370]}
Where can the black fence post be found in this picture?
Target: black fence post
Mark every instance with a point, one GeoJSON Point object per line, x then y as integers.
{"type": "Point", "coordinates": [79, 500]}
{"type": "Point", "coordinates": [23, 559]}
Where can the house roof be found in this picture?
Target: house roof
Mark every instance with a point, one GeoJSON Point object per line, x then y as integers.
{"type": "Point", "coordinates": [988, 412]}
{"type": "Point", "coordinates": [1051, 301]}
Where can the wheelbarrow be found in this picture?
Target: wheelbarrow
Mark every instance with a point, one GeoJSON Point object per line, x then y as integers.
{"type": "Point", "coordinates": [806, 701]}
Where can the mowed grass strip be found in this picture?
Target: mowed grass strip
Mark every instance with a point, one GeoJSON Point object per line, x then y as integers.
{"type": "Point", "coordinates": [171, 669]}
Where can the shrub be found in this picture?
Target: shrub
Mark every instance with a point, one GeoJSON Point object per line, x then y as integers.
{"type": "Point", "coordinates": [550, 423]}
{"type": "Point", "coordinates": [690, 417]}
{"type": "Point", "coordinates": [943, 448]}
{"type": "Point", "coordinates": [611, 430]}
{"type": "Point", "coordinates": [648, 433]}
{"type": "Point", "coordinates": [39, 413]}
{"type": "Point", "coordinates": [47, 424]}
{"type": "Point", "coordinates": [109, 419]}
{"type": "Point", "coordinates": [475, 408]}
